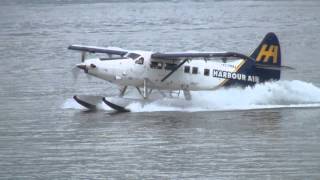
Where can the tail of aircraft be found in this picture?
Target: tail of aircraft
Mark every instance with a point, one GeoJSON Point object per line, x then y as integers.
{"type": "Point", "coordinates": [268, 58]}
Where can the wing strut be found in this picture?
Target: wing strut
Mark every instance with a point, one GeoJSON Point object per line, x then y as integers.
{"type": "Point", "coordinates": [174, 70]}
{"type": "Point", "coordinates": [123, 91]}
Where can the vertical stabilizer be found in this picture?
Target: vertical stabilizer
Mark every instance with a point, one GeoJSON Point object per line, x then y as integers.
{"type": "Point", "coordinates": [268, 53]}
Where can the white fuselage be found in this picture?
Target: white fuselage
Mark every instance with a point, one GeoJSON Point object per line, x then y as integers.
{"type": "Point", "coordinates": [133, 72]}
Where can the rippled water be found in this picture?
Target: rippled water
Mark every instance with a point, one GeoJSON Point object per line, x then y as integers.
{"type": "Point", "coordinates": [270, 131]}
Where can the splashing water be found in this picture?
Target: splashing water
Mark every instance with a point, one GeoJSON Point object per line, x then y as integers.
{"type": "Point", "coordinates": [280, 94]}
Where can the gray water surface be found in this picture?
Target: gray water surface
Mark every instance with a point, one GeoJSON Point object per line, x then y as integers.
{"type": "Point", "coordinates": [42, 139]}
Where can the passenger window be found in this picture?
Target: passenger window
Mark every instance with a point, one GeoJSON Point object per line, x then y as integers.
{"type": "Point", "coordinates": [156, 65]}
{"type": "Point", "coordinates": [153, 65]}
{"type": "Point", "coordinates": [187, 69]}
{"type": "Point", "coordinates": [206, 72]}
{"type": "Point", "coordinates": [160, 64]}
{"type": "Point", "coordinates": [139, 61]}
{"type": "Point", "coordinates": [194, 70]}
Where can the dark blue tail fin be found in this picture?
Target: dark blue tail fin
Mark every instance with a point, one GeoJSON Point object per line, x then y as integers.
{"type": "Point", "coordinates": [268, 58]}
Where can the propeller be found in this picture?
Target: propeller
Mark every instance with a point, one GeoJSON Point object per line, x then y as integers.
{"type": "Point", "coordinates": [89, 77]}
{"type": "Point", "coordinates": [83, 56]}
{"type": "Point", "coordinates": [77, 69]}
{"type": "Point", "coordinates": [75, 73]}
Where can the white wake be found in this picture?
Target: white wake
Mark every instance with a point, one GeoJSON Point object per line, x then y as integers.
{"type": "Point", "coordinates": [280, 94]}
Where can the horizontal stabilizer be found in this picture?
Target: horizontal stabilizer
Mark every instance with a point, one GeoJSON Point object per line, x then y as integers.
{"type": "Point", "coordinates": [271, 67]}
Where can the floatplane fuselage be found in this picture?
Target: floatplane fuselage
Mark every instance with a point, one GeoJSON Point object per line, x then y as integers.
{"type": "Point", "coordinates": [186, 71]}
{"type": "Point", "coordinates": [194, 75]}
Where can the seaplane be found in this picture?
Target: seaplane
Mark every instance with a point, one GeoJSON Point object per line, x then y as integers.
{"type": "Point", "coordinates": [172, 72]}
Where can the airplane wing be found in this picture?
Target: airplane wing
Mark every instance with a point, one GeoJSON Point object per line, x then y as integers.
{"type": "Point", "coordinates": [95, 49]}
{"type": "Point", "coordinates": [198, 55]}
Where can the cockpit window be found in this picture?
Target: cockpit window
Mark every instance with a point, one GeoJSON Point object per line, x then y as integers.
{"type": "Point", "coordinates": [139, 61]}
{"type": "Point", "coordinates": [133, 56]}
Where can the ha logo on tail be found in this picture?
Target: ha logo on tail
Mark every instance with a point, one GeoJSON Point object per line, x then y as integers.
{"type": "Point", "coordinates": [268, 58]}
{"type": "Point", "coordinates": [268, 52]}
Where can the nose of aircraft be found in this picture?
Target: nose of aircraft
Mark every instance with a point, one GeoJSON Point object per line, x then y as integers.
{"type": "Point", "coordinates": [86, 67]}
{"type": "Point", "coordinates": [82, 66]}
